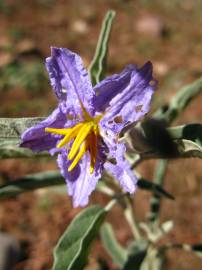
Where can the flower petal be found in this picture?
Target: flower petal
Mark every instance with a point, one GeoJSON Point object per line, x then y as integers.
{"type": "Point", "coordinates": [80, 182]}
{"type": "Point", "coordinates": [70, 79]}
{"type": "Point", "coordinates": [37, 139]}
{"type": "Point", "coordinates": [121, 169]}
{"type": "Point", "coordinates": [108, 88]}
{"type": "Point", "coordinates": [123, 174]}
{"type": "Point", "coordinates": [133, 96]}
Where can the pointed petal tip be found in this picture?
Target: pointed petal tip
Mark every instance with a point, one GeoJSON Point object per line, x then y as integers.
{"type": "Point", "coordinates": [146, 71]}
{"type": "Point", "coordinates": [57, 51]}
{"type": "Point", "coordinates": [54, 50]}
{"type": "Point", "coordinates": [147, 66]}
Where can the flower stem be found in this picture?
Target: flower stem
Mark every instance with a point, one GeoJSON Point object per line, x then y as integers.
{"type": "Point", "coordinates": [155, 200]}
{"type": "Point", "coordinates": [129, 215]}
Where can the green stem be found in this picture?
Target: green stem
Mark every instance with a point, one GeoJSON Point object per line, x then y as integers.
{"type": "Point", "coordinates": [130, 217]}
{"type": "Point", "coordinates": [155, 200]}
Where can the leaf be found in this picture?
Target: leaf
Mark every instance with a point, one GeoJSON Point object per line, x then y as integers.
{"type": "Point", "coordinates": [158, 142]}
{"type": "Point", "coordinates": [155, 233]}
{"type": "Point", "coordinates": [188, 139]}
{"type": "Point", "coordinates": [12, 128]}
{"type": "Point", "coordinates": [10, 132]}
{"type": "Point", "coordinates": [192, 132]}
{"type": "Point", "coordinates": [158, 180]}
{"type": "Point", "coordinates": [10, 149]}
{"type": "Point", "coordinates": [155, 188]}
{"type": "Point", "coordinates": [41, 180]}
{"type": "Point", "coordinates": [189, 149]}
{"type": "Point", "coordinates": [179, 102]}
{"type": "Point", "coordinates": [98, 65]}
{"type": "Point", "coordinates": [151, 137]}
{"type": "Point", "coordinates": [197, 249]}
{"type": "Point", "coordinates": [31, 182]}
{"type": "Point", "coordinates": [137, 253]}
{"type": "Point", "coordinates": [112, 246]}
{"type": "Point", "coordinates": [72, 248]}
{"type": "Point", "coordinates": [153, 261]}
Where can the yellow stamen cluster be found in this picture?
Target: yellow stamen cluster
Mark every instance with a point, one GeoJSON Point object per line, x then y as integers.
{"type": "Point", "coordinates": [85, 135]}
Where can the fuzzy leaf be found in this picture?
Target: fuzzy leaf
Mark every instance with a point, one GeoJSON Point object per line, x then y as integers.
{"type": "Point", "coordinates": [10, 149]}
{"type": "Point", "coordinates": [10, 132]}
{"type": "Point", "coordinates": [153, 261]}
{"type": "Point", "coordinates": [189, 149]}
{"type": "Point", "coordinates": [192, 132]}
{"type": "Point", "coordinates": [98, 65]}
{"type": "Point", "coordinates": [197, 249]}
{"type": "Point", "coordinates": [72, 249]}
{"type": "Point", "coordinates": [31, 182]}
{"type": "Point", "coordinates": [158, 180]}
{"type": "Point", "coordinates": [156, 141]}
{"type": "Point", "coordinates": [137, 252]}
{"type": "Point", "coordinates": [179, 102]}
{"type": "Point", "coordinates": [12, 128]}
{"type": "Point", "coordinates": [154, 188]}
{"type": "Point", "coordinates": [115, 250]}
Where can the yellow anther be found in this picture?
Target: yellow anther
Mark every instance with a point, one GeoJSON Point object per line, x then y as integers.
{"type": "Point", "coordinates": [71, 133]}
{"type": "Point", "coordinates": [82, 134]}
{"type": "Point", "coordinates": [59, 131]}
{"type": "Point", "coordinates": [68, 137]}
{"type": "Point", "coordinates": [85, 135]}
{"type": "Point", "coordinates": [78, 157]}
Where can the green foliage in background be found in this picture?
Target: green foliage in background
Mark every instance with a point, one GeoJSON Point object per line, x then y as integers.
{"type": "Point", "coordinates": [30, 76]}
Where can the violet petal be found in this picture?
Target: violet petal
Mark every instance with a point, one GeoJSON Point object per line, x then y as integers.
{"type": "Point", "coordinates": [80, 183]}
{"type": "Point", "coordinates": [132, 101]}
{"type": "Point", "coordinates": [37, 139]}
{"type": "Point", "coordinates": [70, 79]}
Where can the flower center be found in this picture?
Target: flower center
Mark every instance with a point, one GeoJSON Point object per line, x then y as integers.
{"type": "Point", "coordinates": [85, 135]}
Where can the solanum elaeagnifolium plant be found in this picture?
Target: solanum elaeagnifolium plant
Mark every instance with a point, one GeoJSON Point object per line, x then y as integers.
{"type": "Point", "coordinates": [95, 127]}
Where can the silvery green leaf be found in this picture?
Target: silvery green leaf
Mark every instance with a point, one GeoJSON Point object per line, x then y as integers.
{"type": "Point", "coordinates": [155, 233]}
{"type": "Point", "coordinates": [9, 148]}
{"type": "Point", "coordinates": [158, 180]}
{"type": "Point", "coordinates": [154, 188]}
{"type": "Point", "coordinates": [189, 148]}
{"type": "Point", "coordinates": [72, 249]}
{"type": "Point", "coordinates": [167, 226]}
{"type": "Point", "coordinates": [98, 65]}
{"type": "Point", "coordinates": [192, 132]}
{"type": "Point", "coordinates": [152, 136]}
{"type": "Point", "coordinates": [12, 128]}
{"type": "Point", "coordinates": [31, 182]}
{"type": "Point", "coordinates": [179, 102]}
{"type": "Point", "coordinates": [153, 260]}
{"type": "Point", "coordinates": [10, 132]}
{"type": "Point", "coordinates": [136, 254]}
{"type": "Point", "coordinates": [152, 139]}
{"type": "Point", "coordinates": [197, 249]}
{"type": "Point", "coordinates": [112, 246]}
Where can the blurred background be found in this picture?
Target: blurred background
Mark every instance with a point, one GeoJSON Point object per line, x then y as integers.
{"type": "Point", "coordinates": [166, 32]}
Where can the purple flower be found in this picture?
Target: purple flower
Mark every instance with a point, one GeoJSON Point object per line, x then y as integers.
{"type": "Point", "coordinates": [84, 129]}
